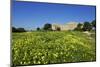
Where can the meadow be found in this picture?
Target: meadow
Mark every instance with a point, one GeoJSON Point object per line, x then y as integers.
{"type": "Point", "coordinates": [32, 48]}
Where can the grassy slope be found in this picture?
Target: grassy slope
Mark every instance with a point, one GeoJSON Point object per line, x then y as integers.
{"type": "Point", "coordinates": [52, 47]}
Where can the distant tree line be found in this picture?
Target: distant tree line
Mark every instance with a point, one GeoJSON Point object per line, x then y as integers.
{"type": "Point", "coordinates": [18, 29]}
{"type": "Point", "coordinates": [86, 26]}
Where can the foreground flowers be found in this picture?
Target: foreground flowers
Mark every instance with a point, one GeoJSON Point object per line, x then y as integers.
{"type": "Point", "coordinates": [52, 47]}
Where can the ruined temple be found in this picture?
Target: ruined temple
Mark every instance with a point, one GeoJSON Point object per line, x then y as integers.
{"type": "Point", "coordinates": [68, 26]}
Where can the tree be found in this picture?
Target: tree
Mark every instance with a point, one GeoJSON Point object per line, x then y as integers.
{"type": "Point", "coordinates": [79, 27]}
{"type": "Point", "coordinates": [14, 29]}
{"type": "Point", "coordinates": [38, 29]}
{"type": "Point", "coordinates": [47, 26]}
{"type": "Point", "coordinates": [93, 23]}
{"type": "Point", "coordinates": [18, 29]}
{"type": "Point", "coordinates": [87, 26]}
{"type": "Point", "coordinates": [21, 30]}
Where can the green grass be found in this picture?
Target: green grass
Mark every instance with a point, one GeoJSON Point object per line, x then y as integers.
{"type": "Point", "coordinates": [52, 47]}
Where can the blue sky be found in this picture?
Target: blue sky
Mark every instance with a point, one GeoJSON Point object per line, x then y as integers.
{"type": "Point", "coordinates": [31, 15]}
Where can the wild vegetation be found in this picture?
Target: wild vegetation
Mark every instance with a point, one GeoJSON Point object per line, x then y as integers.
{"type": "Point", "coordinates": [46, 46]}
{"type": "Point", "coordinates": [52, 47]}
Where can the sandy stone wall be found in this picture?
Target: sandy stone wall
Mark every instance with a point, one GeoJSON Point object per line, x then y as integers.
{"type": "Point", "coordinates": [68, 26]}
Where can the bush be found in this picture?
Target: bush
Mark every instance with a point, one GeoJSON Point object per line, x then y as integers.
{"type": "Point", "coordinates": [38, 29]}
